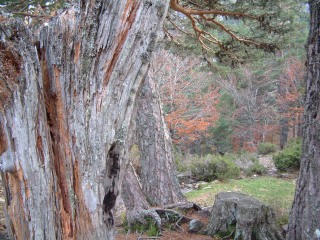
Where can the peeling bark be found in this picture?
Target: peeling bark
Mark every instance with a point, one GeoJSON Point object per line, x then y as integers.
{"type": "Point", "coordinates": [65, 108]}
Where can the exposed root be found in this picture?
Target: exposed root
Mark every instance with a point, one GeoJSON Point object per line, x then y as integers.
{"type": "Point", "coordinates": [177, 223]}
{"type": "Point", "coordinates": [141, 216]}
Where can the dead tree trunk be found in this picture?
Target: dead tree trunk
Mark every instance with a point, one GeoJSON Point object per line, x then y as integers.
{"type": "Point", "coordinates": [304, 220]}
{"type": "Point", "coordinates": [66, 103]}
{"type": "Point", "coordinates": [158, 173]}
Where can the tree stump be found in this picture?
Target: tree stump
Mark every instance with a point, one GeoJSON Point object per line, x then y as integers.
{"type": "Point", "coordinates": [242, 216]}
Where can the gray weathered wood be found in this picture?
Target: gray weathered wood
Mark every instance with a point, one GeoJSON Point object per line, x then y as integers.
{"type": "Point", "coordinates": [158, 174]}
{"type": "Point", "coordinates": [250, 218]}
{"type": "Point", "coordinates": [66, 104]}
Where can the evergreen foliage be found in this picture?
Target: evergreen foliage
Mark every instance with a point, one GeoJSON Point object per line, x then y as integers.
{"type": "Point", "coordinates": [232, 30]}
{"type": "Point", "coordinates": [221, 132]}
{"type": "Point", "coordinates": [211, 167]}
{"type": "Point", "coordinates": [33, 8]}
{"type": "Point", "coordinates": [289, 158]}
{"type": "Point", "coordinates": [266, 148]}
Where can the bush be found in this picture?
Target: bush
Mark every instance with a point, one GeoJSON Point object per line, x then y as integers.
{"type": "Point", "coordinates": [266, 148]}
{"type": "Point", "coordinates": [183, 161]}
{"type": "Point", "coordinates": [256, 168]}
{"type": "Point", "coordinates": [211, 167]}
{"type": "Point", "coordinates": [289, 158]}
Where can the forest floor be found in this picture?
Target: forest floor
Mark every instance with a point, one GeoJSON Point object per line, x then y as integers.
{"type": "Point", "coordinates": [179, 234]}
{"type": "Point", "coordinates": [272, 189]}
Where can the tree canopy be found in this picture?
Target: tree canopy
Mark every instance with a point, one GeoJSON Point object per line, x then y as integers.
{"type": "Point", "coordinates": [231, 29]}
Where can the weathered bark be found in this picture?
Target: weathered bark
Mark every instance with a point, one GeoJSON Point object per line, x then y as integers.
{"type": "Point", "coordinates": [154, 145]}
{"type": "Point", "coordinates": [304, 220]}
{"type": "Point", "coordinates": [138, 209]}
{"type": "Point", "coordinates": [158, 174]}
{"type": "Point", "coordinates": [251, 218]}
{"type": "Point", "coordinates": [66, 103]}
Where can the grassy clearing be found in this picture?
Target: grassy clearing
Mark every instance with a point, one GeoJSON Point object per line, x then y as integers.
{"type": "Point", "coordinates": [278, 193]}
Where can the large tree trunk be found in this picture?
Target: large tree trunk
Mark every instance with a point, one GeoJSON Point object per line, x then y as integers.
{"type": "Point", "coordinates": [64, 116]}
{"type": "Point", "coordinates": [158, 174]}
{"type": "Point", "coordinates": [160, 186]}
{"type": "Point", "coordinates": [305, 214]}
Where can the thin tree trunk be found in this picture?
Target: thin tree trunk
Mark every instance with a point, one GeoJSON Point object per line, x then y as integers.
{"type": "Point", "coordinates": [158, 173]}
{"type": "Point", "coordinates": [304, 221]}
{"type": "Point", "coordinates": [283, 121]}
{"type": "Point", "coordinates": [66, 103]}
{"type": "Point", "coordinates": [284, 129]}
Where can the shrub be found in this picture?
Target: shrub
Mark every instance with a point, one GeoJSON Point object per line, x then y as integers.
{"type": "Point", "coordinates": [289, 158]}
{"type": "Point", "coordinates": [256, 168]}
{"type": "Point", "coordinates": [183, 161]}
{"type": "Point", "coordinates": [266, 148]}
{"type": "Point", "coordinates": [244, 160]}
{"type": "Point", "coordinates": [211, 167]}
{"type": "Point", "coordinates": [178, 160]}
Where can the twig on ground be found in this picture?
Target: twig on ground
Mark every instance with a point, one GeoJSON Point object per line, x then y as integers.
{"type": "Point", "coordinates": [177, 223]}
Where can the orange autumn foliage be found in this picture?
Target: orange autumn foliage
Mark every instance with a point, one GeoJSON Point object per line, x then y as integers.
{"type": "Point", "coordinates": [188, 95]}
{"type": "Point", "coordinates": [291, 82]}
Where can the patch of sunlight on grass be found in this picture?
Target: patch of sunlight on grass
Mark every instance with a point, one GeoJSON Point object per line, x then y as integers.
{"type": "Point", "coordinates": [275, 192]}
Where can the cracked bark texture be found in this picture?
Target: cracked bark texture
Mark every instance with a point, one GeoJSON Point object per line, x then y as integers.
{"type": "Point", "coordinates": [66, 100]}
{"type": "Point", "coordinates": [138, 209]}
{"type": "Point", "coordinates": [158, 174]}
{"type": "Point", "coordinates": [304, 220]}
{"type": "Point", "coordinates": [250, 218]}
{"type": "Point", "coordinates": [160, 186]}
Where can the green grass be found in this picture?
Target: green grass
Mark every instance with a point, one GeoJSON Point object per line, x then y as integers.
{"type": "Point", "coordinates": [278, 193]}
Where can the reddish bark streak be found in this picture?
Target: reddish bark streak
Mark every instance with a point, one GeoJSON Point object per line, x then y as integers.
{"type": "Point", "coordinates": [60, 140]}
{"type": "Point", "coordinates": [40, 149]}
{"type": "Point", "coordinates": [25, 182]}
{"type": "Point", "coordinates": [16, 208]}
{"type": "Point", "coordinates": [9, 72]}
{"type": "Point", "coordinates": [128, 18]}
{"type": "Point", "coordinates": [3, 141]}
{"type": "Point", "coordinates": [82, 216]}
{"type": "Point", "coordinates": [77, 52]}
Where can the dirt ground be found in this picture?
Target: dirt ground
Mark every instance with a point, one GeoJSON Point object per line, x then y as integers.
{"type": "Point", "coordinates": [166, 235]}
{"type": "Point", "coordinates": [179, 234]}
